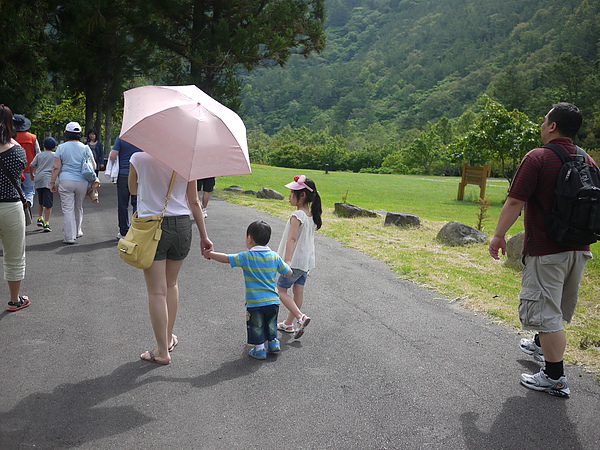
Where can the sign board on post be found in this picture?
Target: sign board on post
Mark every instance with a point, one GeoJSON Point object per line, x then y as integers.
{"type": "Point", "coordinates": [473, 175]}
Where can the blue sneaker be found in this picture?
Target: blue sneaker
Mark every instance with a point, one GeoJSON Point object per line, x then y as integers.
{"type": "Point", "coordinates": [274, 346]}
{"type": "Point", "coordinates": [258, 354]}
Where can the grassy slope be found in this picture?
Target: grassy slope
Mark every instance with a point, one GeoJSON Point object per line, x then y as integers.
{"type": "Point", "coordinates": [465, 274]}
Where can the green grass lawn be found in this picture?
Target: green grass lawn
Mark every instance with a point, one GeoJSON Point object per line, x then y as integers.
{"type": "Point", "coordinates": [464, 274]}
{"type": "Point", "coordinates": [432, 198]}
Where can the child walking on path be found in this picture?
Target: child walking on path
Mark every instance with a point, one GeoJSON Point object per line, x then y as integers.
{"type": "Point", "coordinates": [297, 248]}
{"type": "Point", "coordinates": [42, 163]}
{"type": "Point", "coordinates": [260, 265]}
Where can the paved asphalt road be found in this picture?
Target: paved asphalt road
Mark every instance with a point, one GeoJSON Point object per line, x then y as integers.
{"type": "Point", "coordinates": [383, 364]}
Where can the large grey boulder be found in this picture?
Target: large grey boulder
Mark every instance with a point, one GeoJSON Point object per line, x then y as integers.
{"type": "Point", "coordinates": [514, 246]}
{"type": "Point", "coordinates": [349, 210]}
{"type": "Point", "coordinates": [457, 233]}
{"type": "Point", "coordinates": [402, 220]}
{"type": "Point", "coordinates": [234, 189]}
{"type": "Point", "coordinates": [269, 193]}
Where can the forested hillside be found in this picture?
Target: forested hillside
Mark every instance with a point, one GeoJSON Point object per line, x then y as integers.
{"type": "Point", "coordinates": [402, 63]}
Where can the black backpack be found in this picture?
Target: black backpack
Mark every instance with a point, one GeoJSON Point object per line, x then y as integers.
{"type": "Point", "coordinates": [575, 217]}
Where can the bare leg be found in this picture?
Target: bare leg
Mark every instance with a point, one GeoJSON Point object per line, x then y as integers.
{"type": "Point", "coordinates": [173, 268]}
{"type": "Point", "coordinates": [290, 304]}
{"type": "Point", "coordinates": [47, 212]}
{"type": "Point", "coordinates": [40, 210]}
{"type": "Point", "coordinates": [298, 291]}
{"type": "Point", "coordinates": [156, 285]}
{"type": "Point", "coordinates": [14, 288]}
{"type": "Point", "coordinates": [553, 345]}
{"type": "Point", "coordinates": [205, 198]}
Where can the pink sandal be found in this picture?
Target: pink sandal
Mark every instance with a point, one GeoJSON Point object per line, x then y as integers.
{"type": "Point", "coordinates": [23, 302]}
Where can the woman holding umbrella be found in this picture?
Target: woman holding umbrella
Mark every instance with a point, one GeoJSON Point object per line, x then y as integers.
{"type": "Point", "coordinates": [149, 179]}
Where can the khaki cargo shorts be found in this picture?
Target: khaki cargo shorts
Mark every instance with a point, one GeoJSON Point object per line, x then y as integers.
{"type": "Point", "coordinates": [549, 289]}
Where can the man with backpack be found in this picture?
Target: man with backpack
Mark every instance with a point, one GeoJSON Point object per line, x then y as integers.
{"type": "Point", "coordinates": [552, 270]}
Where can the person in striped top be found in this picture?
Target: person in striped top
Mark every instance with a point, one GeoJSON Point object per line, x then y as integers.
{"type": "Point", "coordinates": [260, 265]}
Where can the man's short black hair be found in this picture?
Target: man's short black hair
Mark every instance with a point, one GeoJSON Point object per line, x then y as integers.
{"type": "Point", "coordinates": [568, 118]}
{"type": "Point", "coordinates": [260, 231]}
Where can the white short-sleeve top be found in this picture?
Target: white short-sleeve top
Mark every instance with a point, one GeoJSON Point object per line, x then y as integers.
{"type": "Point", "coordinates": [303, 257]}
{"type": "Point", "coordinates": [153, 184]}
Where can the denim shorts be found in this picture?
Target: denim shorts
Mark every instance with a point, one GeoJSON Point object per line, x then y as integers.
{"type": "Point", "coordinates": [261, 323]}
{"type": "Point", "coordinates": [298, 276]}
{"type": "Point", "coordinates": [176, 239]}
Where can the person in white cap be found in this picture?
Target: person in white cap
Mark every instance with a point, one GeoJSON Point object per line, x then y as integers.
{"type": "Point", "coordinates": [68, 159]}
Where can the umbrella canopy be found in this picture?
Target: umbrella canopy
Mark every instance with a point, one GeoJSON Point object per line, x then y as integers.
{"type": "Point", "coordinates": [187, 130]}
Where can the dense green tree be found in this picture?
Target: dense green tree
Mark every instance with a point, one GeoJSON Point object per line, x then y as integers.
{"type": "Point", "coordinates": [429, 60]}
{"type": "Point", "coordinates": [497, 135]}
{"type": "Point", "coordinates": [93, 53]}
{"type": "Point", "coordinates": [213, 39]}
{"type": "Point", "coordinates": [24, 77]}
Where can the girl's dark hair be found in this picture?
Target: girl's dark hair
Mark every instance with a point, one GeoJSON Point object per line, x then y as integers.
{"type": "Point", "coordinates": [87, 135]}
{"type": "Point", "coordinates": [6, 124]}
{"type": "Point", "coordinates": [314, 199]}
{"type": "Point", "coordinates": [260, 231]}
{"type": "Point", "coordinates": [72, 135]}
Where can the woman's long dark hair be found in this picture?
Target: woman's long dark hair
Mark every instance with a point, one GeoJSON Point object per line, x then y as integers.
{"type": "Point", "coordinates": [6, 124]}
{"type": "Point", "coordinates": [314, 199]}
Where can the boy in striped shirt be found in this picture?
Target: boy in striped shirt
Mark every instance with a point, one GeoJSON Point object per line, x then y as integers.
{"type": "Point", "coordinates": [260, 265]}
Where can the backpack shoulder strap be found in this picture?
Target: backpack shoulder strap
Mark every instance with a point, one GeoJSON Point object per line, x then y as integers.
{"type": "Point", "coordinates": [564, 155]}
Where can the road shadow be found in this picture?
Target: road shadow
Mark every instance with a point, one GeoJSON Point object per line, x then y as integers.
{"type": "Point", "coordinates": [532, 421]}
{"type": "Point", "coordinates": [70, 416]}
{"type": "Point", "coordinates": [229, 370]}
{"type": "Point", "coordinates": [78, 247]}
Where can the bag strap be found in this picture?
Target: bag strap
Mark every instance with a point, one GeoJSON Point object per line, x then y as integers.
{"type": "Point", "coordinates": [168, 194]}
{"type": "Point", "coordinates": [564, 155]}
{"type": "Point", "coordinates": [13, 181]}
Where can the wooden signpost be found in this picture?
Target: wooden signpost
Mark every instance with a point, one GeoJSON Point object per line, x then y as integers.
{"type": "Point", "coordinates": [473, 175]}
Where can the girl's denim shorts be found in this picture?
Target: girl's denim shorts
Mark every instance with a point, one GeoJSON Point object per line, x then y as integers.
{"type": "Point", "coordinates": [297, 277]}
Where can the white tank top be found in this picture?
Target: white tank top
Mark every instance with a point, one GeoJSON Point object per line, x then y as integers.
{"type": "Point", "coordinates": [153, 184]}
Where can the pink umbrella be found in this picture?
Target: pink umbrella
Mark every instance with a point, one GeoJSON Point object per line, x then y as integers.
{"type": "Point", "coordinates": [187, 130]}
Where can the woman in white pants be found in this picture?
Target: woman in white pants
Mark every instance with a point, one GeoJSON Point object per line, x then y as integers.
{"type": "Point", "coordinates": [68, 159]}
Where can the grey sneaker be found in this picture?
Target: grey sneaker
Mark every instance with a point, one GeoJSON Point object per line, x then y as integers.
{"type": "Point", "coordinates": [529, 346]}
{"type": "Point", "coordinates": [541, 382]}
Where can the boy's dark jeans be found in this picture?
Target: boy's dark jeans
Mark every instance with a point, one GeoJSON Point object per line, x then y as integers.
{"type": "Point", "coordinates": [261, 323]}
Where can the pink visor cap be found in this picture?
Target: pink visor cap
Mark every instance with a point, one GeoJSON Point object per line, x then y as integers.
{"type": "Point", "coordinates": [298, 184]}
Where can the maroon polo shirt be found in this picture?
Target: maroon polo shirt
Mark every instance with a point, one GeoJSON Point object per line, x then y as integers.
{"type": "Point", "coordinates": [536, 177]}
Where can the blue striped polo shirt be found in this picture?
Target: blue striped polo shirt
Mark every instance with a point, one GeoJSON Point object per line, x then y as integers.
{"type": "Point", "coordinates": [260, 265]}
